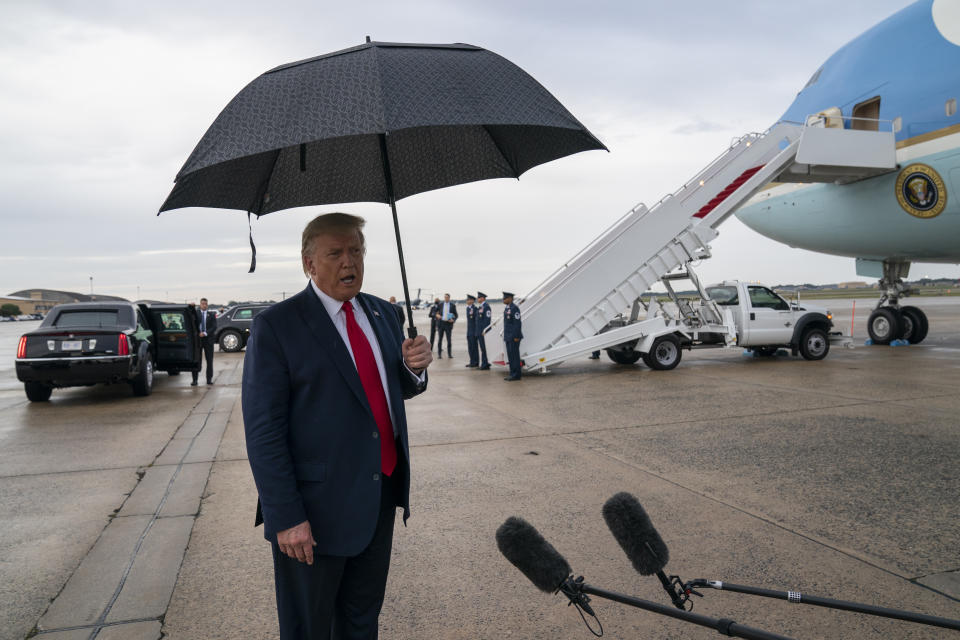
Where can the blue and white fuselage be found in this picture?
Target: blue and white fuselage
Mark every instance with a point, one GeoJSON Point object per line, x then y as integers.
{"type": "Point", "coordinates": [902, 75]}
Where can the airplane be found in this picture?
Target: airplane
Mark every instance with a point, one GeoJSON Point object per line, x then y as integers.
{"type": "Point", "coordinates": [902, 75]}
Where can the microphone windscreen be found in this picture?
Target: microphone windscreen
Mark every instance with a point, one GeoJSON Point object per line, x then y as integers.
{"type": "Point", "coordinates": [631, 526]}
{"type": "Point", "coordinates": [527, 550]}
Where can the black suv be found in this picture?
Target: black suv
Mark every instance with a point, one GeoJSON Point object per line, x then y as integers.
{"type": "Point", "coordinates": [233, 327]}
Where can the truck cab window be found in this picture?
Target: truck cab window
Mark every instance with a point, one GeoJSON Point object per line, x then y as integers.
{"type": "Point", "coordinates": [765, 298]}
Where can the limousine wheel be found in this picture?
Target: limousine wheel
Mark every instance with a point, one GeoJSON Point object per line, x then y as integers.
{"type": "Point", "coordinates": [143, 383]}
{"type": "Point", "coordinates": [37, 391]}
{"type": "Point", "coordinates": [230, 341]}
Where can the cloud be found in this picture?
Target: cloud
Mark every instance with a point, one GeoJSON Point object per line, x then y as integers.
{"type": "Point", "coordinates": [699, 126]}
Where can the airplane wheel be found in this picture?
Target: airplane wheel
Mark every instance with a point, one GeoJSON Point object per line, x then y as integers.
{"type": "Point", "coordinates": [664, 354]}
{"type": "Point", "coordinates": [915, 324]}
{"type": "Point", "coordinates": [885, 325]}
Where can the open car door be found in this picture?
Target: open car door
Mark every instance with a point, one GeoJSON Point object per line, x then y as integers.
{"type": "Point", "coordinates": [177, 336]}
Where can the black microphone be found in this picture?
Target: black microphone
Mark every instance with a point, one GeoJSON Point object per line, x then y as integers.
{"type": "Point", "coordinates": [536, 558]}
{"type": "Point", "coordinates": [646, 550]}
{"type": "Point", "coordinates": [528, 551]}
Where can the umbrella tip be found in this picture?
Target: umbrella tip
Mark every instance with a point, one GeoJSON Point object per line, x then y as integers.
{"type": "Point", "coordinates": [368, 39]}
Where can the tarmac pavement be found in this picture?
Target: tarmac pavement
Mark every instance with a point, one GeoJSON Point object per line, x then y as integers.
{"type": "Point", "coordinates": [836, 478]}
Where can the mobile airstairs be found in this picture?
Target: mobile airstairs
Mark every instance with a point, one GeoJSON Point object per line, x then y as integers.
{"type": "Point", "coordinates": [592, 302]}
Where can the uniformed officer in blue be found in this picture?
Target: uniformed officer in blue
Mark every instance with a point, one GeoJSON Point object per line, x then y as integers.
{"type": "Point", "coordinates": [484, 318]}
{"type": "Point", "coordinates": [472, 332]}
{"type": "Point", "coordinates": [512, 335]}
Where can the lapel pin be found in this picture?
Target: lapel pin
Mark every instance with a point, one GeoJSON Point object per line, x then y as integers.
{"type": "Point", "coordinates": [376, 313]}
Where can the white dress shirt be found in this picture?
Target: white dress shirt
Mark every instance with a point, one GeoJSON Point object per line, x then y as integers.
{"type": "Point", "coordinates": [339, 318]}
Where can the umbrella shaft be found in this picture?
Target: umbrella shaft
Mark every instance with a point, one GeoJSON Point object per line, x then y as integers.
{"type": "Point", "coordinates": [388, 179]}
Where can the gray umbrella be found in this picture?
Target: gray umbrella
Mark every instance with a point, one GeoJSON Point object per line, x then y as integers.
{"type": "Point", "coordinates": [375, 123]}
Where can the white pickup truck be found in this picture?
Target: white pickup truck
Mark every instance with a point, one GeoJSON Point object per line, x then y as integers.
{"type": "Point", "coordinates": [765, 321]}
{"type": "Point", "coordinates": [728, 314]}
{"type": "Point", "coordinates": [732, 313]}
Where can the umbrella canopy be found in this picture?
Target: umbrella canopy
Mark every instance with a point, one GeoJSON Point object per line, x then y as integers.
{"type": "Point", "coordinates": [307, 133]}
{"type": "Point", "coordinates": [375, 123]}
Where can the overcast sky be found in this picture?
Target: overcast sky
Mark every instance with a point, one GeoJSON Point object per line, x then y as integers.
{"type": "Point", "coordinates": [102, 101]}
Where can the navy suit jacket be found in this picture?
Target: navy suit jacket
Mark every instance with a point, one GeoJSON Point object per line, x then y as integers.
{"type": "Point", "coordinates": [309, 427]}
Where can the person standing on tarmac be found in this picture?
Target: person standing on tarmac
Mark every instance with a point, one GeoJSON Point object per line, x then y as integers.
{"type": "Point", "coordinates": [472, 332]}
{"type": "Point", "coordinates": [483, 321]}
{"type": "Point", "coordinates": [433, 311]}
{"type": "Point", "coordinates": [512, 335]}
{"type": "Point", "coordinates": [446, 315]}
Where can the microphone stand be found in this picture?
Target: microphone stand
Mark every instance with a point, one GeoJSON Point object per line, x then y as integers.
{"type": "Point", "coordinates": [576, 588]}
{"type": "Point", "coordinates": [799, 598]}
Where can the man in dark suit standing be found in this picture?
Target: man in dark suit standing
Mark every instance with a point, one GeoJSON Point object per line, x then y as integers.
{"type": "Point", "coordinates": [207, 324]}
{"type": "Point", "coordinates": [324, 382]}
{"type": "Point", "coordinates": [432, 312]}
{"type": "Point", "coordinates": [446, 315]}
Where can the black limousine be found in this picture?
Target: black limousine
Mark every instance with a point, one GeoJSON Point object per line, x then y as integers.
{"type": "Point", "coordinates": [87, 343]}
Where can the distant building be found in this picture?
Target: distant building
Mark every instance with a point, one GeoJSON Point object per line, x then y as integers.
{"type": "Point", "coordinates": [61, 297]}
{"type": "Point", "coordinates": [29, 305]}
{"type": "Point", "coordinates": [852, 285]}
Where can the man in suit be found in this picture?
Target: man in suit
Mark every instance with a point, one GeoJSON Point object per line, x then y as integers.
{"type": "Point", "coordinates": [325, 377]}
{"type": "Point", "coordinates": [400, 313]}
{"type": "Point", "coordinates": [446, 315]}
{"type": "Point", "coordinates": [207, 324]}
{"type": "Point", "coordinates": [432, 312]}
{"type": "Point", "coordinates": [483, 321]}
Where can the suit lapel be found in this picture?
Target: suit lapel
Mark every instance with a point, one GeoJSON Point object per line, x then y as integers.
{"type": "Point", "coordinates": [315, 315]}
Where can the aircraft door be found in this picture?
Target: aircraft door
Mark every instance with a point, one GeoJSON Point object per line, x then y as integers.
{"type": "Point", "coordinates": [770, 320]}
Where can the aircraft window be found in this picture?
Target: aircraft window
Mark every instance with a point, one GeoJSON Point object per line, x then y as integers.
{"type": "Point", "coordinates": [813, 78]}
{"type": "Point", "coordinates": [866, 115]}
{"type": "Point", "coordinates": [764, 298]}
{"type": "Point", "coordinates": [951, 107]}
{"type": "Point", "coordinates": [726, 296]}
{"type": "Point", "coordinates": [897, 124]}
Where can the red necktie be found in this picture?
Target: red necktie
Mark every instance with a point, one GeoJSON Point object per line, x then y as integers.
{"type": "Point", "coordinates": [373, 386]}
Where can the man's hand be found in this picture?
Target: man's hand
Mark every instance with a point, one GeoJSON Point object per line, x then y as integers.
{"type": "Point", "coordinates": [417, 354]}
{"type": "Point", "coordinates": [297, 542]}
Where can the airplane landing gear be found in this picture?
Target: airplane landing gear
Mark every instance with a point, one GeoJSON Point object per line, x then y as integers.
{"type": "Point", "coordinates": [915, 324]}
{"type": "Point", "coordinates": [893, 322]}
{"type": "Point", "coordinates": [885, 325]}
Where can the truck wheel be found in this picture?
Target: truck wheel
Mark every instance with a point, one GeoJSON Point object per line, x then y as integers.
{"type": "Point", "coordinates": [915, 324]}
{"type": "Point", "coordinates": [664, 354]}
{"type": "Point", "coordinates": [814, 345]}
{"type": "Point", "coordinates": [621, 356]}
{"type": "Point", "coordinates": [230, 341]}
{"type": "Point", "coordinates": [37, 391]}
{"type": "Point", "coordinates": [884, 325]}
{"type": "Point", "coordinates": [143, 383]}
